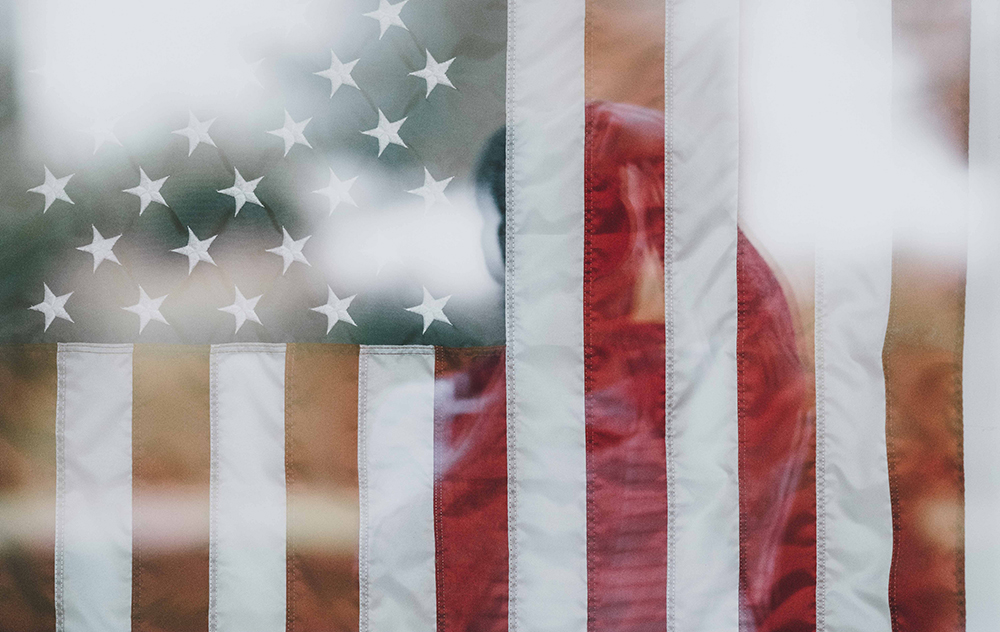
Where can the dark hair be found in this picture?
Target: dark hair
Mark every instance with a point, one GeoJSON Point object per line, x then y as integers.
{"type": "Point", "coordinates": [491, 178]}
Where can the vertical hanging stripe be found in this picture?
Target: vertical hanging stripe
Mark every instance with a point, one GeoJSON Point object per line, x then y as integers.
{"type": "Point", "coordinates": [170, 488]}
{"type": "Point", "coordinates": [923, 345]}
{"type": "Point", "coordinates": [981, 368]}
{"type": "Point", "coordinates": [702, 134]}
{"type": "Point", "coordinates": [94, 507]}
{"type": "Point", "coordinates": [28, 492]}
{"type": "Point", "coordinates": [247, 549]}
{"type": "Point", "coordinates": [547, 468]}
{"type": "Point", "coordinates": [623, 316]}
{"type": "Point", "coordinates": [852, 287]}
{"type": "Point", "coordinates": [321, 465]}
{"type": "Point", "coordinates": [624, 334]}
{"type": "Point", "coordinates": [396, 472]}
{"type": "Point", "coordinates": [470, 489]}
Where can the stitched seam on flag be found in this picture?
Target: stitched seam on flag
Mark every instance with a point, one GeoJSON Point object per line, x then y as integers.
{"type": "Point", "coordinates": [291, 551]}
{"type": "Point", "coordinates": [248, 347]}
{"type": "Point", "coordinates": [510, 204]}
{"type": "Point", "coordinates": [440, 549]}
{"type": "Point", "coordinates": [397, 350]}
{"type": "Point", "coordinates": [746, 619]}
{"type": "Point", "coordinates": [213, 493]}
{"type": "Point", "coordinates": [891, 456]}
{"type": "Point", "coordinates": [819, 336]}
{"type": "Point", "coordinates": [86, 347]}
{"type": "Point", "coordinates": [60, 533]}
{"type": "Point", "coordinates": [588, 356]}
{"type": "Point", "coordinates": [668, 307]}
{"type": "Point", "coordinates": [363, 536]}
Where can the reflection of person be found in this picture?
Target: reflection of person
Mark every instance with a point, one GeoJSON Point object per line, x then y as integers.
{"type": "Point", "coordinates": [624, 336]}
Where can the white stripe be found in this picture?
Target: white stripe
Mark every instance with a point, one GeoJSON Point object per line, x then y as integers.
{"type": "Point", "coordinates": [247, 545]}
{"type": "Point", "coordinates": [981, 370]}
{"type": "Point", "coordinates": [94, 471]}
{"type": "Point", "coordinates": [851, 157]}
{"type": "Point", "coordinates": [396, 479]}
{"type": "Point", "coordinates": [547, 490]}
{"type": "Point", "coordinates": [702, 467]}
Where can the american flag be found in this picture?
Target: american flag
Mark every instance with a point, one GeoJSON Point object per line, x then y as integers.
{"type": "Point", "coordinates": [474, 315]}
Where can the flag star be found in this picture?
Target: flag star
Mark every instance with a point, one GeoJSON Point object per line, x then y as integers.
{"type": "Point", "coordinates": [290, 250]}
{"type": "Point", "coordinates": [386, 132]}
{"type": "Point", "coordinates": [434, 73]}
{"type": "Point", "coordinates": [387, 15]}
{"type": "Point", "coordinates": [103, 131]}
{"type": "Point", "coordinates": [101, 248]}
{"type": "Point", "coordinates": [338, 191]}
{"type": "Point", "coordinates": [243, 309]}
{"type": "Point", "coordinates": [431, 309]}
{"type": "Point", "coordinates": [338, 73]}
{"type": "Point", "coordinates": [147, 191]}
{"type": "Point", "coordinates": [53, 307]}
{"type": "Point", "coordinates": [249, 72]}
{"type": "Point", "coordinates": [291, 133]}
{"type": "Point", "coordinates": [432, 191]}
{"type": "Point", "coordinates": [147, 309]}
{"type": "Point", "coordinates": [293, 16]}
{"type": "Point", "coordinates": [382, 250]}
{"type": "Point", "coordinates": [196, 132]}
{"type": "Point", "coordinates": [243, 191]}
{"type": "Point", "coordinates": [53, 189]}
{"type": "Point", "coordinates": [335, 309]}
{"type": "Point", "coordinates": [196, 250]}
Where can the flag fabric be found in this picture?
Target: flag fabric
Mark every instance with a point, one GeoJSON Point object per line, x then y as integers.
{"type": "Point", "coordinates": [696, 332]}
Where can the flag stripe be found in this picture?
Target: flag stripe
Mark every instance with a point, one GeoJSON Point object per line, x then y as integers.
{"type": "Point", "coordinates": [28, 379]}
{"type": "Point", "coordinates": [396, 477]}
{"type": "Point", "coordinates": [923, 344]}
{"type": "Point", "coordinates": [94, 483]}
{"type": "Point", "coordinates": [544, 316]}
{"type": "Point", "coordinates": [470, 489]}
{"type": "Point", "coordinates": [170, 488]}
{"type": "Point", "coordinates": [702, 134]}
{"type": "Point", "coordinates": [852, 288]}
{"type": "Point", "coordinates": [625, 382]}
{"type": "Point", "coordinates": [321, 465]}
{"type": "Point", "coordinates": [247, 557]}
{"type": "Point", "coordinates": [981, 369]}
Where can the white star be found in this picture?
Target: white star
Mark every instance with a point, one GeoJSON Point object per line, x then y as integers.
{"type": "Point", "coordinates": [432, 191]}
{"type": "Point", "coordinates": [249, 72]}
{"type": "Point", "coordinates": [338, 191]}
{"type": "Point", "coordinates": [147, 191]}
{"type": "Point", "coordinates": [53, 307]}
{"type": "Point", "coordinates": [294, 16]}
{"type": "Point", "coordinates": [386, 132]}
{"type": "Point", "coordinates": [147, 309]}
{"type": "Point", "coordinates": [196, 250]}
{"type": "Point", "coordinates": [196, 132]}
{"type": "Point", "coordinates": [291, 133]}
{"type": "Point", "coordinates": [53, 189]}
{"type": "Point", "coordinates": [101, 248]}
{"type": "Point", "coordinates": [382, 250]}
{"type": "Point", "coordinates": [335, 309]}
{"type": "Point", "coordinates": [434, 73]}
{"type": "Point", "coordinates": [103, 131]}
{"type": "Point", "coordinates": [387, 15]}
{"type": "Point", "coordinates": [243, 191]}
{"type": "Point", "coordinates": [431, 309]}
{"type": "Point", "coordinates": [338, 73]}
{"type": "Point", "coordinates": [243, 309]}
{"type": "Point", "coordinates": [290, 250]}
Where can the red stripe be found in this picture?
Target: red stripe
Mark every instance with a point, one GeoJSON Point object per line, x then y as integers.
{"type": "Point", "coordinates": [625, 369]}
{"type": "Point", "coordinates": [777, 457]}
{"type": "Point", "coordinates": [470, 491]}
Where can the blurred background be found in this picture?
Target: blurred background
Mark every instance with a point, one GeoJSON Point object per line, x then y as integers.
{"type": "Point", "coordinates": [96, 89]}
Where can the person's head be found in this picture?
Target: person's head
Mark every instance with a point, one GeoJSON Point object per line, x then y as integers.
{"type": "Point", "coordinates": [491, 193]}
